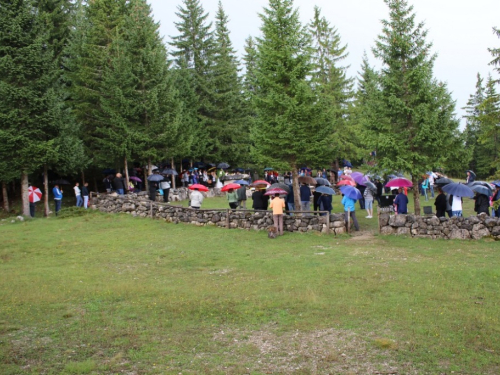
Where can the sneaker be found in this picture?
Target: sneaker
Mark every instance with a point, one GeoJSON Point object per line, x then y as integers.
{"type": "Point", "coordinates": [367, 217]}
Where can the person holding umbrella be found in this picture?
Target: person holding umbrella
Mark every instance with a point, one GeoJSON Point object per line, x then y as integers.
{"type": "Point", "coordinates": [196, 199]}
{"type": "Point", "coordinates": [496, 200]}
{"type": "Point", "coordinates": [232, 197]}
{"type": "Point", "coordinates": [471, 177]}
{"type": "Point", "coordinates": [277, 205]}
{"type": "Point", "coordinates": [58, 195]}
{"type": "Point", "coordinates": [481, 204]}
{"type": "Point", "coordinates": [368, 195]}
{"type": "Point", "coordinates": [440, 203]}
{"type": "Point", "coordinates": [401, 203]}
{"type": "Point", "coordinates": [34, 195]}
{"type": "Point", "coordinates": [350, 208]}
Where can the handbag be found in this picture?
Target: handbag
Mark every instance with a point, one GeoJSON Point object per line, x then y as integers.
{"type": "Point", "coordinates": [160, 191]}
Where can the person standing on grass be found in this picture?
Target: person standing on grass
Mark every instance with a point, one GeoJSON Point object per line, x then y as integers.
{"type": "Point", "coordinates": [305, 197]}
{"type": "Point", "coordinates": [277, 205]}
{"type": "Point", "coordinates": [481, 204]}
{"type": "Point", "coordinates": [78, 194]}
{"type": "Point", "coordinates": [401, 203]}
{"type": "Point", "coordinates": [85, 194]}
{"type": "Point", "coordinates": [119, 184]}
{"type": "Point", "coordinates": [456, 205]}
{"type": "Point", "coordinates": [368, 195]}
{"type": "Point", "coordinates": [58, 196]}
{"type": "Point", "coordinates": [165, 186]}
{"type": "Point", "coordinates": [349, 209]}
{"type": "Point", "coordinates": [242, 197]}
{"type": "Point", "coordinates": [325, 203]}
{"type": "Point", "coordinates": [425, 186]}
{"type": "Point", "coordinates": [232, 197]}
{"type": "Point", "coordinates": [196, 199]}
{"type": "Point", "coordinates": [440, 203]}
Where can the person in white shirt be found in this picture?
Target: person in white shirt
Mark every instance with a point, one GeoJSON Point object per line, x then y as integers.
{"type": "Point", "coordinates": [196, 199]}
{"type": "Point", "coordinates": [78, 194]}
{"type": "Point", "coordinates": [456, 206]}
{"type": "Point", "coordinates": [432, 177]}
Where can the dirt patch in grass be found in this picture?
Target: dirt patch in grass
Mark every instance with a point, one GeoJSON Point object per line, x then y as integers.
{"type": "Point", "coordinates": [327, 351]}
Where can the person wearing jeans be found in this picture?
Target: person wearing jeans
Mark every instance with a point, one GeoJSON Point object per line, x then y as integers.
{"type": "Point", "coordinates": [85, 195]}
{"type": "Point", "coordinates": [78, 194]}
{"type": "Point", "coordinates": [277, 205]}
{"type": "Point", "coordinates": [349, 209]}
{"type": "Point", "coordinates": [305, 198]}
{"type": "Point", "coordinates": [456, 206]}
{"type": "Point", "coordinates": [57, 198]}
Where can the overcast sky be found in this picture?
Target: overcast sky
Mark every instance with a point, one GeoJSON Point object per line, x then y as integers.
{"type": "Point", "coordinates": [460, 30]}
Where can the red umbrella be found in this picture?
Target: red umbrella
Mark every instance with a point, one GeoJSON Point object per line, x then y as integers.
{"type": "Point", "coordinates": [275, 191]}
{"type": "Point", "coordinates": [199, 187]}
{"type": "Point", "coordinates": [34, 194]}
{"type": "Point", "coordinates": [260, 182]}
{"type": "Point", "coordinates": [346, 182]}
{"type": "Point", "coordinates": [347, 177]}
{"type": "Point", "coordinates": [399, 182]}
{"type": "Point", "coordinates": [230, 186]}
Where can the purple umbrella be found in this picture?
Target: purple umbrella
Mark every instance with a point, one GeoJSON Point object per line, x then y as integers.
{"type": "Point", "coordinates": [351, 192]}
{"type": "Point", "coordinates": [133, 178]}
{"type": "Point", "coordinates": [358, 177]}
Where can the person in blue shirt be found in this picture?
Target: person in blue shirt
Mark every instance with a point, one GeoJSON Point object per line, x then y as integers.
{"type": "Point", "coordinates": [305, 197]}
{"type": "Point", "coordinates": [349, 205]}
{"type": "Point", "coordinates": [401, 202]}
{"type": "Point", "coordinates": [57, 198]}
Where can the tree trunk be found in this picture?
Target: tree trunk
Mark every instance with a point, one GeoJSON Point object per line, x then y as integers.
{"type": "Point", "coordinates": [125, 163]}
{"type": "Point", "coordinates": [296, 188]}
{"type": "Point", "coordinates": [46, 208]}
{"type": "Point", "coordinates": [416, 195]}
{"type": "Point", "coordinates": [25, 194]}
{"type": "Point", "coordinates": [148, 172]}
{"type": "Point", "coordinates": [5, 195]}
{"type": "Point", "coordinates": [173, 176]}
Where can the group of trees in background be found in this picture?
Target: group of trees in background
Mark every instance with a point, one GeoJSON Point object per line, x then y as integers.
{"type": "Point", "coordinates": [88, 85]}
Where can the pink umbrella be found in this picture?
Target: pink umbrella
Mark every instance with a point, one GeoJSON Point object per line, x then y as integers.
{"type": "Point", "coordinates": [230, 186]}
{"type": "Point", "coordinates": [199, 187]}
{"type": "Point", "coordinates": [399, 182]}
{"type": "Point", "coordinates": [348, 182]}
{"type": "Point", "coordinates": [275, 191]}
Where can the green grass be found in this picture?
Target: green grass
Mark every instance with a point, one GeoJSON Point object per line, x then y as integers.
{"type": "Point", "coordinates": [107, 294]}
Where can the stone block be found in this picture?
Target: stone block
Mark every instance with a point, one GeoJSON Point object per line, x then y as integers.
{"type": "Point", "coordinates": [384, 219]}
{"type": "Point", "coordinates": [460, 234]}
{"type": "Point", "coordinates": [403, 231]}
{"type": "Point", "coordinates": [387, 230]}
{"type": "Point", "coordinates": [397, 220]}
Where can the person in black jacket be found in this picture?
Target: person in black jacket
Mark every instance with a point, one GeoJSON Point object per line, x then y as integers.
{"type": "Point", "coordinates": [325, 203]}
{"type": "Point", "coordinates": [85, 195]}
{"type": "Point", "coordinates": [440, 203]}
{"type": "Point", "coordinates": [259, 201]}
{"type": "Point", "coordinates": [482, 204]}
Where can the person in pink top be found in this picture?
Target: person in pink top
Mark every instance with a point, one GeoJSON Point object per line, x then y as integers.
{"type": "Point", "coordinates": [277, 205]}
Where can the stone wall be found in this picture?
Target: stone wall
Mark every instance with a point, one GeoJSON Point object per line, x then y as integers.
{"type": "Point", "coordinates": [473, 227]}
{"type": "Point", "coordinates": [141, 206]}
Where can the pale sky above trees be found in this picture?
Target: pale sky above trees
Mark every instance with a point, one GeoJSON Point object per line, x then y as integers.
{"type": "Point", "coordinates": [460, 30]}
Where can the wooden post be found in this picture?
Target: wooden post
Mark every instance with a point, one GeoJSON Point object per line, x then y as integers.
{"type": "Point", "coordinates": [151, 208]}
{"type": "Point", "coordinates": [348, 220]}
{"type": "Point", "coordinates": [378, 218]}
{"type": "Point", "coordinates": [227, 219]}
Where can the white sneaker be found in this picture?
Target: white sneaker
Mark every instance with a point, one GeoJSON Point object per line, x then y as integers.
{"type": "Point", "coordinates": [367, 217]}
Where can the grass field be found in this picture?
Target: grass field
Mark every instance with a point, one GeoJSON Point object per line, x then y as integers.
{"type": "Point", "coordinates": [112, 294]}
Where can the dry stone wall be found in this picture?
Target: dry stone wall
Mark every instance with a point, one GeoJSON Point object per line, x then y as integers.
{"type": "Point", "coordinates": [141, 206]}
{"type": "Point", "coordinates": [473, 227]}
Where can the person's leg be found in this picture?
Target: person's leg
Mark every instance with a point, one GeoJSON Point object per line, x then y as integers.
{"type": "Point", "coordinates": [57, 206]}
{"type": "Point", "coordinates": [276, 223]}
{"type": "Point", "coordinates": [85, 201]}
{"type": "Point", "coordinates": [355, 221]}
{"type": "Point", "coordinates": [280, 224]}
{"type": "Point", "coordinates": [32, 209]}
{"type": "Point", "coordinates": [432, 191]}
{"type": "Point", "coordinates": [165, 195]}
{"type": "Point", "coordinates": [291, 207]}
{"type": "Point", "coordinates": [346, 219]}
{"type": "Point", "coordinates": [244, 204]}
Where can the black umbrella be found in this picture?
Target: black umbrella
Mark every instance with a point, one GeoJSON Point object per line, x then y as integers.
{"type": "Point", "coordinates": [322, 181]}
{"type": "Point", "coordinates": [61, 182]}
{"type": "Point", "coordinates": [169, 171]}
{"type": "Point", "coordinates": [155, 177]}
{"type": "Point", "coordinates": [223, 165]}
{"type": "Point", "coordinates": [443, 181]}
{"type": "Point", "coordinates": [482, 190]}
{"type": "Point", "coordinates": [280, 185]}
{"type": "Point", "coordinates": [480, 183]}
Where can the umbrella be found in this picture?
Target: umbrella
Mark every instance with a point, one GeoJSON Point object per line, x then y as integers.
{"type": "Point", "coordinates": [199, 187]}
{"type": "Point", "coordinates": [346, 183]}
{"type": "Point", "coordinates": [269, 169]}
{"type": "Point", "coordinates": [480, 183]}
{"type": "Point", "coordinates": [260, 182]}
{"type": "Point", "coordinates": [242, 182]}
{"type": "Point", "coordinates": [325, 190]}
{"type": "Point", "coordinates": [240, 170]}
{"type": "Point", "coordinates": [230, 186]}
{"type": "Point", "coordinates": [275, 191]}
{"type": "Point", "coordinates": [443, 181]}
{"type": "Point", "coordinates": [34, 194]}
{"type": "Point", "coordinates": [359, 178]}
{"type": "Point", "coordinates": [351, 192]}
{"type": "Point", "coordinates": [370, 185]}
{"type": "Point", "coordinates": [223, 165]}
{"type": "Point", "coordinates": [472, 173]}
{"type": "Point", "coordinates": [200, 164]}
{"type": "Point", "coordinates": [482, 190]}
{"type": "Point", "coordinates": [459, 190]}
{"type": "Point", "coordinates": [392, 176]}
{"type": "Point", "coordinates": [61, 182]}
{"type": "Point", "coordinates": [399, 182]}
{"type": "Point", "coordinates": [347, 177]}
{"type": "Point", "coordinates": [108, 171]}
{"type": "Point", "coordinates": [155, 177]}
{"type": "Point", "coordinates": [169, 171]}
{"type": "Point", "coordinates": [232, 177]}
{"type": "Point", "coordinates": [496, 183]}
{"type": "Point", "coordinates": [307, 180]}
{"type": "Point", "coordinates": [281, 186]}
{"type": "Point", "coordinates": [212, 169]}
{"type": "Point", "coordinates": [134, 178]}
{"type": "Point", "coordinates": [322, 181]}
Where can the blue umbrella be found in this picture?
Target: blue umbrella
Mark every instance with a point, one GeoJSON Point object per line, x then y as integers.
{"type": "Point", "coordinates": [480, 183]}
{"type": "Point", "coordinates": [392, 176]}
{"type": "Point", "coordinates": [496, 183]}
{"type": "Point", "coordinates": [155, 177]}
{"type": "Point", "coordinates": [269, 169]}
{"type": "Point", "coordinates": [458, 189]}
{"type": "Point", "coordinates": [482, 190]}
{"type": "Point", "coordinates": [241, 170]}
{"type": "Point", "coordinates": [223, 165]}
{"type": "Point", "coordinates": [322, 181]}
{"type": "Point", "coordinates": [325, 190]}
{"type": "Point", "coordinates": [351, 192]}
{"type": "Point", "coordinates": [169, 171]}
{"type": "Point", "coordinates": [242, 182]}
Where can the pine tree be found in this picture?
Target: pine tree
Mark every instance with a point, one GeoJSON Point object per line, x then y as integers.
{"type": "Point", "coordinates": [288, 130]}
{"type": "Point", "coordinates": [420, 130]}
{"type": "Point", "coordinates": [194, 52]}
{"type": "Point", "coordinates": [495, 52]}
{"type": "Point", "coordinates": [472, 126]}
{"type": "Point", "coordinates": [31, 115]}
{"type": "Point", "coordinates": [333, 87]}
{"type": "Point", "coordinates": [228, 134]}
